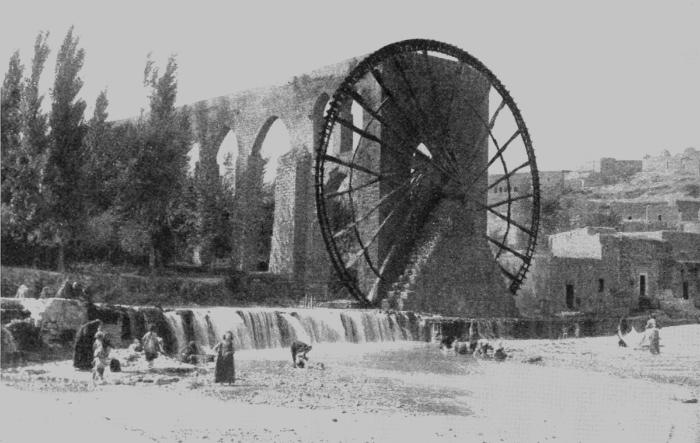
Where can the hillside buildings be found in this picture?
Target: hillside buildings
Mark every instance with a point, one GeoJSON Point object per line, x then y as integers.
{"type": "Point", "coordinates": [607, 272]}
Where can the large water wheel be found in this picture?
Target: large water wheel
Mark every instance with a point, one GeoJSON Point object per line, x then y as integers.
{"type": "Point", "coordinates": [438, 199]}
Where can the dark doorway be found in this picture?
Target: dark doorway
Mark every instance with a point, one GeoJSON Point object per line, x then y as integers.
{"type": "Point", "coordinates": [685, 290]}
{"type": "Point", "coordinates": [570, 296]}
{"type": "Point", "coordinates": [642, 285]}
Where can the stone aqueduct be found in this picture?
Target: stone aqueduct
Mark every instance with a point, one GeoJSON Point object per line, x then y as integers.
{"type": "Point", "coordinates": [461, 276]}
{"type": "Point", "coordinates": [297, 249]}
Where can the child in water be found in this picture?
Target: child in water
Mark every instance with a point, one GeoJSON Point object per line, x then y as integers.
{"type": "Point", "coordinates": [101, 357]}
{"type": "Point", "coordinates": [499, 354]}
{"type": "Point", "coordinates": [654, 346]}
{"type": "Point", "coordinates": [152, 345]}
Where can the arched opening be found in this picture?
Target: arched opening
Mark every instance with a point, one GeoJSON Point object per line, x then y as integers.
{"type": "Point", "coordinates": [226, 158]}
{"type": "Point", "coordinates": [352, 112]}
{"type": "Point", "coordinates": [357, 120]}
{"type": "Point", "coordinates": [417, 158]}
{"type": "Point", "coordinates": [317, 116]}
{"type": "Point", "coordinates": [193, 159]}
{"type": "Point", "coordinates": [272, 143]}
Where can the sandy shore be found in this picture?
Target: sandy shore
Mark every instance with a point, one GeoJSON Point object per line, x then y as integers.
{"type": "Point", "coordinates": [581, 390]}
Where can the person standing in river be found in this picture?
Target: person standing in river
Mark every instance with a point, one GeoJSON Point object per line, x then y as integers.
{"type": "Point", "coordinates": [101, 349]}
{"type": "Point", "coordinates": [225, 367]}
{"type": "Point", "coordinates": [152, 345]}
{"type": "Point", "coordinates": [83, 350]}
{"type": "Point", "coordinates": [654, 345]}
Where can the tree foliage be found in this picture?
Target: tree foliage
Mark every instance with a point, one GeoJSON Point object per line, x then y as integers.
{"type": "Point", "coordinates": [155, 173]}
{"type": "Point", "coordinates": [62, 178]}
{"type": "Point", "coordinates": [214, 195]}
{"type": "Point", "coordinates": [25, 160]}
{"type": "Point", "coordinates": [10, 120]}
{"type": "Point", "coordinates": [99, 168]}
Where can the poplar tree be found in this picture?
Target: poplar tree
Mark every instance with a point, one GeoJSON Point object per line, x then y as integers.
{"type": "Point", "coordinates": [156, 173]}
{"type": "Point", "coordinates": [25, 151]}
{"type": "Point", "coordinates": [99, 168]}
{"type": "Point", "coordinates": [10, 122]}
{"type": "Point", "coordinates": [62, 177]}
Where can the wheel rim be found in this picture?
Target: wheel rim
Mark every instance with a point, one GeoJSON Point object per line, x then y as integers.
{"type": "Point", "coordinates": [373, 196]}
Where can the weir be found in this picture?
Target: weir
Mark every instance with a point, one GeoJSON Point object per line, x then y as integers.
{"type": "Point", "coordinates": [261, 328]}
{"type": "Point", "coordinates": [264, 328]}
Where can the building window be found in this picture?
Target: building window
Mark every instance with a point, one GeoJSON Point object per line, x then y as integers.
{"type": "Point", "coordinates": [570, 296]}
{"type": "Point", "coordinates": [515, 189]}
{"type": "Point", "coordinates": [685, 290]}
{"type": "Point", "coordinates": [642, 285]}
{"type": "Point", "coordinates": [601, 285]}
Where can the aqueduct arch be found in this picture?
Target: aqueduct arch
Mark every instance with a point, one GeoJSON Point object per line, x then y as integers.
{"type": "Point", "coordinates": [297, 248]}
{"type": "Point", "coordinates": [443, 217]}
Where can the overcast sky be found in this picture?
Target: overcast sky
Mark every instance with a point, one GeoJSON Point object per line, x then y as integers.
{"type": "Point", "coordinates": [593, 79]}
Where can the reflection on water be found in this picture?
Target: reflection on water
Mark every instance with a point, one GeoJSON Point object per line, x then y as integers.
{"type": "Point", "coordinates": [423, 357]}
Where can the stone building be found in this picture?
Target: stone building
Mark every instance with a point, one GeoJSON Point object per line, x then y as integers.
{"type": "Point", "coordinates": [603, 271]}
{"type": "Point", "coordinates": [687, 162]}
{"type": "Point", "coordinates": [613, 170]}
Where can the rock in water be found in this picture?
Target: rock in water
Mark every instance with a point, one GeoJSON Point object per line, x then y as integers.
{"type": "Point", "coordinates": [8, 351]}
{"type": "Point", "coordinates": [27, 336]}
{"type": "Point", "coordinates": [537, 359]}
{"type": "Point", "coordinates": [60, 316]}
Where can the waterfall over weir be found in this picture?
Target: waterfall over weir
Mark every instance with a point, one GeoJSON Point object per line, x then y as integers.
{"type": "Point", "coordinates": [260, 328]}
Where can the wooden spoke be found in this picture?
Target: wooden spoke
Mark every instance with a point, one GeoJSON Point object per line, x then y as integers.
{"type": "Point", "coordinates": [380, 202]}
{"type": "Point", "coordinates": [494, 158]}
{"type": "Point", "coordinates": [508, 175]}
{"type": "Point", "coordinates": [509, 220]}
{"type": "Point", "coordinates": [509, 249]}
{"type": "Point", "coordinates": [489, 128]}
{"type": "Point", "coordinates": [405, 115]}
{"type": "Point", "coordinates": [404, 223]}
{"type": "Point", "coordinates": [502, 148]}
{"type": "Point", "coordinates": [508, 273]}
{"type": "Point", "coordinates": [375, 236]}
{"type": "Point", "coordinates": [402, 73]}
{"type": "Point", "coordinates": [374, 113]}
{"type": "Point", "coordinates": [338, 161]}
{"type": "Point", "coordinates": [510, 200]}
{"type": "Point", "coordinates": [395, 149]}
{"type": "Point", "coordinates": [352, 189]}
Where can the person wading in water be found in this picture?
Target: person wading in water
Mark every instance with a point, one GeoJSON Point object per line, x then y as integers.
{"type": "Point", "coordinates": [225, 367]}
{"type": "Point", "coordinates": [152, 345]}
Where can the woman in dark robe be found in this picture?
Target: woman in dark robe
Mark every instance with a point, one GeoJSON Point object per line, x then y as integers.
{"type": "Point", "coordinates": [225, 369]}
{"type": "Point", "coordinates": [83, 349]}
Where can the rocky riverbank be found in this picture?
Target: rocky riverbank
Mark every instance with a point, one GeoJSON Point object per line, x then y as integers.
{"type": "Point", "coordinates": [578, 390]}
